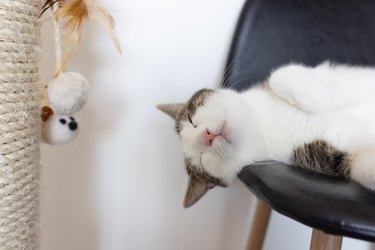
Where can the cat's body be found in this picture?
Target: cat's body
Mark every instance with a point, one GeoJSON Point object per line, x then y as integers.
{"type": "Point", "coordinates": [321, 118]}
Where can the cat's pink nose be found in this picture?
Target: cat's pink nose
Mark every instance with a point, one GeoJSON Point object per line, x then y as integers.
{"type": "Point", "coordinates": [209, 137]}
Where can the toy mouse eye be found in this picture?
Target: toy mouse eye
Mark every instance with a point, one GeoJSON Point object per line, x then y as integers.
{"type": "Point", "coordinates": [63, 121]}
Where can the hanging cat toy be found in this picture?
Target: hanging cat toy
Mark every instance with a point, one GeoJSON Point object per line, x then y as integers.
{"type": "Point", "coordinates": [67, 92]}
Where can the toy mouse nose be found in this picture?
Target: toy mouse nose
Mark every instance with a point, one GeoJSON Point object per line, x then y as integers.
{"type": "Point", "coordinates": [209, 137]}
{"type": "Point", "coordinates": [73, 125]}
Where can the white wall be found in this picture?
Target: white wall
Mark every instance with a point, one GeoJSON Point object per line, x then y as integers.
{"type": "Point", "coordinates": [120, 185]}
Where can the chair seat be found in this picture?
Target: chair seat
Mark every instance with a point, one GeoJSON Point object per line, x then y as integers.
{"type": "Point", "coordinates": [333, 205]}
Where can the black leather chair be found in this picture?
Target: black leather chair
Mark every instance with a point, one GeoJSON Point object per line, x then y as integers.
{"type": "Point", "coordinates": [271, 33]}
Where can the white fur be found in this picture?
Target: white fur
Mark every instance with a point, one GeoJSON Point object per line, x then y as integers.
{"type": "Point", "coordinates": [335, 103]}
{"type": "Point", "coordinates": [68, 93]}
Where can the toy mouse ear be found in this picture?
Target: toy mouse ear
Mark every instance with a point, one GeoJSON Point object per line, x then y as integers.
{"type": "Point", "coordinates": [171, 109]}
{"type": "Point", "coordinates": [46, 113]}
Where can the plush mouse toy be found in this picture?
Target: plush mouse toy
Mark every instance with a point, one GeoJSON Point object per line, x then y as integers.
{"type": "Point", "coordinates": [63, 97]}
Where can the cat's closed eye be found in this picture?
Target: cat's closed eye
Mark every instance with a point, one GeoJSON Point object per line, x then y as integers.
{"type": "Point", "coordinates": [191, 121]}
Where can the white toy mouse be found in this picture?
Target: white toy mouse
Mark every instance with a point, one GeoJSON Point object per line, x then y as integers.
{"type": "Point", "coordinates": [63, 97]}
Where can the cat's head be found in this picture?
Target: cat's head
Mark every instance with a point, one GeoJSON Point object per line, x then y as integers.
{"type": "Point", "coordinates": [208, 126]}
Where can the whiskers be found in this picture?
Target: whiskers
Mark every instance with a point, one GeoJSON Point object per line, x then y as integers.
{"type": "Point", "coordinates": [220, 154]}
{"type": "Point", "coordinates": [226, 72]}
{"type": "Point", "coordinates": [244, 78]}
{"type": "Point", "coordinates": [213, 158]}
{"type": "Point", "coordinates": [223, 151]}
{"type": "Point", "coordinates": [225, 80]}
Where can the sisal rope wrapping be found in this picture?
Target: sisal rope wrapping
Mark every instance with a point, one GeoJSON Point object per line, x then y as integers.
{"type": "Point", "coordinates": [19, 124]}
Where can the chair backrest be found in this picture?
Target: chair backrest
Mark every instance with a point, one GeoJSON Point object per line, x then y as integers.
{"type": "Point", "coordinates": [273, 32]}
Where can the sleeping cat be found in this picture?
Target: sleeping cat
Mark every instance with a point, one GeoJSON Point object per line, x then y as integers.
{"type": "Point", "coordinates": [320, 118]}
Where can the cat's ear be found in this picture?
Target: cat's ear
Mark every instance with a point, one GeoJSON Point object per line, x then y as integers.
{"type": "Point", "coordinates": [171, 109]}
{"type": "Point", "coordinates": [197, 187]}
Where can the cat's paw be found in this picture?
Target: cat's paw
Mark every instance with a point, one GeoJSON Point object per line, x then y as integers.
{"type": "Point", "coordinates": [313, 98]}
{"type": "Point", "coordinates": [297, 85]}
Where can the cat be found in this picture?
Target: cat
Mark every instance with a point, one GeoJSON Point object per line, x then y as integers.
{"type": "Point", "coordinates": [320, 118]}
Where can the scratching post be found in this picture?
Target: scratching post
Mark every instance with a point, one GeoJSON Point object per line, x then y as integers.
{"type": "Point", "coordinates": [19, 124]}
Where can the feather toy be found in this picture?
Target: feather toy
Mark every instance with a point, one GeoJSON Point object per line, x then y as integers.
{"type": "Point", "coordinates": [70, 16]}
{"type": "Point", "coordinates": [67, 92]}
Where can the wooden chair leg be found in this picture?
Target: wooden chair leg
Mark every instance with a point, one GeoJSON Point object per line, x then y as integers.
{"type": "Point", "coordinates": [323, 241]}
{"type": "Point", "coordinates": [259, 226]}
